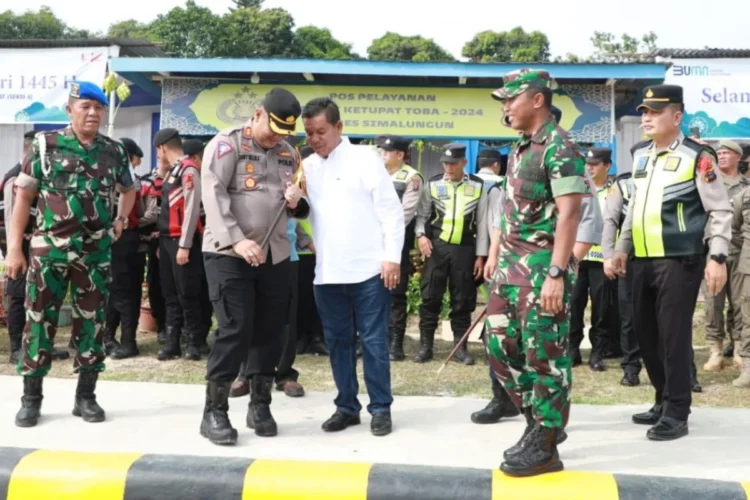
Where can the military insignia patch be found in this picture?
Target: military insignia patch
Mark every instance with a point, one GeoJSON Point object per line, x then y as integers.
{"type": "Point", "coordinates": [414, 183]}
{"type": "Point", "coordinates": [401, 175]}
{"type": "Point", "coordinates": [188, 182]}
{"type": "Point", "coordinates": [469, 190]}
{"type": "Point", "coordinates": [223, 149]}
{"type": "Point", "coordinates": [706, 166]}
{"type": "Point", "coordinates": [672, 163]}
{"type": "Point", "coordinates": [612, 190]}
{"type": "Point", "coordinates": [285, 154]}
{"type": "Point", "coordinates": [287, 173]}
{"type": "Point", "coordinates": [249, 167]}
{"type": "Point", "coordinates": [442, 191]}
{"type": "Point", "coordinates": [250, 184]}
{"type": "Point", "coordinates": [247, 132]}
{"type": "Point", "coordinates": [247, 148]}
{"type": "Point", "coordinates": [642, 163]}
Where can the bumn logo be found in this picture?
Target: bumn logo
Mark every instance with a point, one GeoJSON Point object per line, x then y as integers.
{"type": "Point", "coordinates": [681, 70]}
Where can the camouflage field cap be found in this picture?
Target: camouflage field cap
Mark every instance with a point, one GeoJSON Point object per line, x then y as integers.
{"type": "Point", "coordinates": [519, 81]}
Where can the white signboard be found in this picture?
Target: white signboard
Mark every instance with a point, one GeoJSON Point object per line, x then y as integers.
{"type": "Point", "coordinates": [717, 95]}
{"type": "Point", "coordinates": [35, 83]}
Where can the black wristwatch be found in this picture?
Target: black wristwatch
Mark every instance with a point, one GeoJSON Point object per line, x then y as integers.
{"type": "Point", "coordinates": [720, 258]}
{"type": "Point", "coordinates": [555, 272]}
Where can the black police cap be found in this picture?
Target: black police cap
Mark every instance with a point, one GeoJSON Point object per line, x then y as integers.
{"type": "Point", "coordinates": [283, 110]}
{"type": "Point", "coordinates": [131, 147]}
{"type": "Point", "coordinates": [165, 135]}
{"type": "Point", "coordinates": [491, 154]}
{"type": "Point", "coordinates": [658, 97]}
{"type": "Point", "coordinates": [192, 146]}
{"type": "Point", "coordinates": [306, 151]}
{"type": "Point", "coordinates": [557, 113]}
{"type": "Point", "coordinates": [599, 155]}
{"type": "Point", "coordinates": [395, 143]}
{"type": "Point", "coordinates": [453, 153]}
{"type": "Point", "coordinates": [380, 140]}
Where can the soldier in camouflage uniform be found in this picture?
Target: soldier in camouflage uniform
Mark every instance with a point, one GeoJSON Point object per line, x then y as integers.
{"type": "Point", "coordinates": [74, 172]}
{"type": "Point", "coordinates": [527, 316]}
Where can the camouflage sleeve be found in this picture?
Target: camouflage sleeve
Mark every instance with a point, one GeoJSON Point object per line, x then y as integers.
{"type": "Point", "coordinates": [123, 176]}
{"type": "Point", "coordinates": [410, 200]}
{"type": "Point", "coordinates": [612, 211]}
{"type": "Point", "coordinates": [423, 209]}
{"type": "Point", "coordinates": [566, 169]}
{"type": "Point", "coordinates": [715, 200]}
{"type": "Point", "coordinates": [31, 166]}
{"type": "Point", "coordinates": [191, 190]}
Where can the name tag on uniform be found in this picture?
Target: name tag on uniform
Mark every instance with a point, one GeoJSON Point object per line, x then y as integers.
{"type": "Point", "coordinates": [640, 167]}
{"type": "Point", "coordinates": [672, 163]}
{"type": "Point", "coordinates": [401, 176]}
{"type": "Point", "coordinates": [442, 190]}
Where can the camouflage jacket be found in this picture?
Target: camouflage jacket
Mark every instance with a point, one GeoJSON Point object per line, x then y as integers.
{"type": "Point", "coordinates": [76, 185]}
{"type": "Point", "coordinates": [540, 168]}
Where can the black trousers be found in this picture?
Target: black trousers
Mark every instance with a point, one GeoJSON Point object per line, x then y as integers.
{"type": "Point", "coordinates": [128, 266]}
{"type": "Point", "coordinates": [398, 295]}
{"type": "Point", "coordinates": [664, 295]}
{"type": "Point", "coordinates": [451, 266]}
{"type": "Point", "coordinates": [631, 354]}
{"type": "Point", "coordinates": [15, 289]}
{"type": "Point", "coordinates": [592, 282]}
{"type": "Point", "coordinates": [309, 326]}
{"type": "Point", "coordinates": [251, 305]}
{"type": "Point", "coordinates": [153, 278]}
{"type": "Point", "coordinates": [285, 371]}
{"type": "Point", "coordinates": [181, 286]}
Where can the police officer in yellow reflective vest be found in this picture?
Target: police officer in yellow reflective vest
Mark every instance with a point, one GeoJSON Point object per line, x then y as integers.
{"type": "Point", "coordinates": [591, 280]}
{"type": "Point", "coordinates": [678, 193]}
{"type": "Point", "coordinates": [452, 235]}
{"type": "Point", "coordinates": [408, 183]}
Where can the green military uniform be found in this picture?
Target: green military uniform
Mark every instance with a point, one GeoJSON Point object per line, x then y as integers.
{"type": "Point", "coordinates": [528, 347]}
{"type": "Point", "coordinates": [453, 216]}
{"type": "Point", "coordinates": [70, 247]}
{"type": "Point", "coordinates": [732, 291]}
{"type": "Point", "coordinates": [677, 191]}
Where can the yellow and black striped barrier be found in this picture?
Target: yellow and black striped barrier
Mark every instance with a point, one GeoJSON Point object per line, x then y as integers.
{"type": "Point", "coordinates": [27, 474]}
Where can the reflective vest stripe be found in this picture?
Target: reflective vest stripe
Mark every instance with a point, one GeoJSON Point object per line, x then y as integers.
{"type": "Point", "coordinates": [307, 228]}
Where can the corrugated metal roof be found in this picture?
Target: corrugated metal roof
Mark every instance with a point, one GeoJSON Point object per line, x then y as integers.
{"type": "Point", "coordinates": [707, 53]}
{"type": "Point", "coordinates": [134, 47]}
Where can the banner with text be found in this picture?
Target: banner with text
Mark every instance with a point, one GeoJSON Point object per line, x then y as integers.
{"type": "Point", "coordinates": [204, 107]}
{"type": "Point", "coordinates": [716, 94]}
{"type": "Point", "coordinates": [35, 83]}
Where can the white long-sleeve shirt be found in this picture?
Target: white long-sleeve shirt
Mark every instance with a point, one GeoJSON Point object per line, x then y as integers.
{"type": "Point", "coordinates": [357, 219]}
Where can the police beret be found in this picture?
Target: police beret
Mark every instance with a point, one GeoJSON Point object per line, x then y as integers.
{"type": "Point", "coordinates": [165, 135]}
{"type": "Point", "coordinates": [730, 145]}
{"type": "Point", "coordinates": [658, 97]}
{"type": "Point", "coordinates": [599, 155]}
{"type": "Point", "coordinates": [87, 90]}
{"type": "Point", "coordinates": [306, 151]}
{"type": "Point", "coordinates": [453, 152]}
{"type": "Point", "coordinates": [395, 143]}
{"type": "Point", "coordinates": [131, 147]}
{"type": "Point", "coordinates": [283, 110]}
{"type": "Point", "coordinates": [557, 113]}
{"type": "Point", "coordinates": [192, 146]}
{"type": "Point", "coordinates": [490, 153]}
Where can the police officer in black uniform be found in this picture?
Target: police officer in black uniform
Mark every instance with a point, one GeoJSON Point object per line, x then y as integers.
{"type": "Point", "coordinates": [180, 255]}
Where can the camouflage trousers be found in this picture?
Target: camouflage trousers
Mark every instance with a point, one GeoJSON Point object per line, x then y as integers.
{"type": "Point", "coordinates": [528, 351]}
{"type": "Point", "coordinates": [51, 272]}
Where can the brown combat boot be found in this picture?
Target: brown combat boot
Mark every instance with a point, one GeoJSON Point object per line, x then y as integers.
{"type": "Point", "coordinates": [743, 381]}
{"type": "Point", "coordinates": [715, 361]}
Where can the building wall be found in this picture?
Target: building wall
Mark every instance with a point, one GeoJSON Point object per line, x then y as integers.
{"type": "Point", "coordinates": [129, 122]}
{"type": "Point", "coordinates": [629, 133]}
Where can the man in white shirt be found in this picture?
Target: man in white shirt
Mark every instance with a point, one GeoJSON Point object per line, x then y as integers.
{"type": "Point", "coordinates": [358, 223]}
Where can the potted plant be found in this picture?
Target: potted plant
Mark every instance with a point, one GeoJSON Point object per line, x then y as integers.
{"type": "Point", "coordinates": [147, 322]}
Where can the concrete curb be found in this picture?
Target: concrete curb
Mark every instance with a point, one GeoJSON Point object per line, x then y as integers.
{"type": "Point", "coordinates": [27, 474]}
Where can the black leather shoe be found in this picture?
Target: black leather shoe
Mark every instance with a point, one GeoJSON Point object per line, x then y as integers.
{"type": "Point", "coordinates": [381, 424]}
{"type": "Point", "coordinates": [650, 417]}
{"type": "Point", "coordinates": [696, 387]}
{"type": "Point", "coordinates": [596, 363]}
{"type": "Point", "coordinates": [340, 421]}
{"type": "Point", "coordinates": [575, 357]}
{"type": "Point", "coordinates": [463, 357]}
{"type": "Point", "coordinates": [630, 379]}
{"type": "Point", "coordinates": [668, 429]}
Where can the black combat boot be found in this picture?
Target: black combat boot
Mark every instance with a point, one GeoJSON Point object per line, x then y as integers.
{"type": "Point", "coordinates": [397, 346]}
{"type": "Point", "coordinates": [192, 352]}
{"type": "Point", "coordinates": [171, 348]}
{"type": "Point", "coordinates": [161, 337]}
{"type": "Point", "coordinates": [128, 348]}
{"type": "Point", "coordinates": [86, 405]}
{"type": "Point", "coordinates": [521, 444]}
{"type": "Point", "coordinates": [426, 340]}
{"type": "Point", "coordinates": [499, 406]}
{"type": "Point", "coordinates": [259, 411]}
{"type": "Point", "coordinates": [31, 402]}
{"type": "Point", "coordinates": [215, 425]}
{"type": "Point", "coordinates": [462, 356]}
{"type": "Point", "coordinates": [538, 455]}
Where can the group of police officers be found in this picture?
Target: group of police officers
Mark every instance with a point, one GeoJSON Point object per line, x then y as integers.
{"type": "Point", "coordinates": [204, 228]}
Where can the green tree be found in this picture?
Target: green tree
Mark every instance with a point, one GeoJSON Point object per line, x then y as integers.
{"type": "Point", "coordinates": [628, 49]}
{"type": "Point", "coordinates": [395, 47]}
{"type": "Point", "coordinates": [507, 46]}
{"type": "Point", "coordinates": [43, 24]}
{"type": "Point", "coordinates": [246, 4]}
{"type": "Point", "coordinates": [130, 29]}
{"type": "Point", "coordinates": [188, 32]}
{"type": "Point", "coordinates": [319, 43]}
{"type": "Point", "coordinates": [252, 32]}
